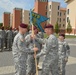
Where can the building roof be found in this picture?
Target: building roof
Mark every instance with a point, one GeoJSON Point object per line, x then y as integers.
{"type": "Point", "coordinates": [7, 13]}
{"type": "Point", "coordinates": [62, 9]}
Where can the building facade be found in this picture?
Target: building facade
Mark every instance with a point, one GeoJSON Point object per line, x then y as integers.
{"type": "Point", "coordinates": [62, 20]}
{"type": "Point", "coordinates": [26, 17]}
{"type": "Point", "coordinates": [53, 11]}
{"type": "Point", "coordinates": [40, 7]}
{"type": "Point", "coordinates": [17, 17]}
{"type": "Point", "coordinates": [71, 14]}
{"type": "Point", "coordinates": [6, 19]}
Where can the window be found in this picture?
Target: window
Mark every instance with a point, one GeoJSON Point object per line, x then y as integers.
{"type": "Point", "coordinates": [60, 19]}
{"type": "Point", "coordinates": [29, 17]}
{"type": "Point", "coordinates": [68, 11]}
{"type": "Point", "coordinates": [63, 25]}
{"type": "Point", "coordinates": [67, 19]}
{"type": "Point", "coordinates": [58, 13]}
{"type": "Point", "coordinates": [29, 14]}
{"type": "Point", "coordinates": [64, 13]}
{"type": "Point", "coordinates": [64, 19]}
{"type": "Point", "coordinates": [46, 13]}
{"type": "Point", "coordinates": [46, 6]}
{"type": "Point", "coordinates": [50, 6]}
{"type": "Point", "coordinates": [58, 7]}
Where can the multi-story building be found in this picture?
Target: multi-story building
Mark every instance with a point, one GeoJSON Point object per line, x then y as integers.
{"type": "Point", "coordinates": [40, 7]}
{"type": "Point", "coordinates": [26, 17]}
{"type": "Point", "coordinates": [17, 17]}
{"type": "Point", "coordinates": [53, 11]}
{"type": "Point", "coordinates": [62, 19]}
{"type": "Point", "coordinates": [71, 14]}
{"type": "Point", "coordinates": [6, 19]}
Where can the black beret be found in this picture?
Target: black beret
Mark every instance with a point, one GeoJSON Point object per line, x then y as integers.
{"type": "Point", "coordinates": [23, 25]}
{"type": "Point", "coordinates": [62, 35]}
{"type": "Point", "coordinates": [49, 26]}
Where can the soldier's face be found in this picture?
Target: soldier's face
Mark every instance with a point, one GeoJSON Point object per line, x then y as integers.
{"type": "Point", "coordinates": [35, 31]}
{"type": "Point", "coordinates": [48, 31]}
{"type": "Point", "coordinates": [23, 30]}
{"type": "Point", "coordinates": [61, 38]}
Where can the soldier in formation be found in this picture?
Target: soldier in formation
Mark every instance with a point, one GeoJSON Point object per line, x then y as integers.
{"type": "Point", "coordinates": [6, 38]}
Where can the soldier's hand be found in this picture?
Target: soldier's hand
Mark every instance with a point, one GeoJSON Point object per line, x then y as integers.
{"type": "Point", "coordinates": [33, 36]}
{"type": "Point", "coordinates": [34, 56]}
{"type": "Point", "coordinates": [35, 49]}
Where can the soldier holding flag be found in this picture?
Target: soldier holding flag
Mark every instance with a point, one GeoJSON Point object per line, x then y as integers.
{"type": "Point", "coordinates": [20, 51]}
{"type": "Point", "coordinates": [50, 62]}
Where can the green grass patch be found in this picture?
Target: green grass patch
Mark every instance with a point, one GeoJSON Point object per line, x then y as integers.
{"type": "Point", "coordinates": [67, 36]}
{"type": "Point", "coordinates": [70, 36]}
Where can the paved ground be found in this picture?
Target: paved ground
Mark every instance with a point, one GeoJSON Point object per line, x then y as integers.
{"type": "Point", "coordinates": [7, 64]}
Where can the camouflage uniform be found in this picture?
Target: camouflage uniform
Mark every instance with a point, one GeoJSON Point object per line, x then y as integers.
{"type": "Point", "coordinates": [20, 52]}
{"type": "Point", "coordinates": [6, 39]}
{"type": "Point", "coordinates": [9, 39]}
{"type": "Point", "coordinates": [2, 39]}
{"type": "Point", "coordinates": [41, 34]}
{"type": "Point", "coordinates": [31, 61]}
{"type": "Point", "coordinates": [50, 62]}
{"type": "Point", "coordinates": [63, 51]}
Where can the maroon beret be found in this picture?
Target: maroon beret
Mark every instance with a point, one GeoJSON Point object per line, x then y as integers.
{"type": "Point", "coordinates": [35, 27]}
{"type": "Point", "coordinates": [49, 26]}
{"type": "Point", "coordinates": [22, 25]}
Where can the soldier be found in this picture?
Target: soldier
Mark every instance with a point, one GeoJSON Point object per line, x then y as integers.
{"type": "Point", "coordinates": [63, 51]}
{"type": "Point", "coordinates": [20, 51]}
{"type": "Point", "coordinates": [31, 61]}
{"type": "Point", "coordinates": [6, 30]}
{"type": "Point", "coordinates": [15, 32]}
{"type": "Point", "coordinates": [2, 38]}
{"type": "Point", "coordinates": [50, 62]}
{"type": "Point", "coordinates": [9, 39]}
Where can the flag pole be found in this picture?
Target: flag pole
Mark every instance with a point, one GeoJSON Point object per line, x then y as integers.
{"type": "Point", "coordinates": [34, 51]}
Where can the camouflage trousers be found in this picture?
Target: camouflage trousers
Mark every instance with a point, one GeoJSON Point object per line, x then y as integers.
{"type": "Point", "coordinates": [9, 44]}
{"type": "Point", "coordinates": [20, 67]}
{"type": "Point", "coordinates": [31, 68]}
{"type": "Point", "coordinates": [50, 65]}
{"type": "Point", "coordinates": [61, 66]}
{"type": "Point", "coordinates": [2, 43]}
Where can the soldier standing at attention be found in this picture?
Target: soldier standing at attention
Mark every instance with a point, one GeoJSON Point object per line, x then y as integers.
{"type": "Point", "coordinates": [0, 39]}
{"type": "Point", "coordinates": [64, 52]}
{"type": "Point", "coordinates": [50, 62]}
{"type": "Point", "coordinates": [2, 34]}
{"type": "Point", "coordinates": [20, 50]}
{"type": "Point", "coordinates": [9, 39]}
